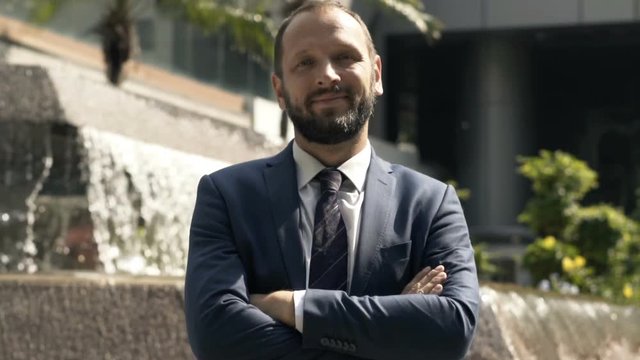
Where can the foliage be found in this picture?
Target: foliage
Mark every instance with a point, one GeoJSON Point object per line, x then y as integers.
{"type": "Point", "coordinates": [484, 266]}
{"type": "Point", "coordinates": [559, 182]}
{"type": "Point", "coordinates": [594, 248]}
{"type": "Point", "coordinates": [43, 10]}
{"type": "Point", "coordinates": [597, 230]}
{"type": "Point", "coordinates": [252, 26]}
{"type": "Point", "coordinates": [250, 23]}
{"type": "Point", "coordinates": [544, 257]}
{"type": "Point", "coordinates": [463, 193]}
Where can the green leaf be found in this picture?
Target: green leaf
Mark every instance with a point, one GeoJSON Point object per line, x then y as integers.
{"type": "Point", "coordinates": [412, 11]}
{"type": "Point", "coordinates": [42, 11]}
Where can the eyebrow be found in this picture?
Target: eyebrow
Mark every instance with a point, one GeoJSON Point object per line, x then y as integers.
{"type": "Point", "coordinates": [342, 46]}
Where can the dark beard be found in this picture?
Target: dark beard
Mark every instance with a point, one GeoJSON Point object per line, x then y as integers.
{"type": "Point", "coordinates": [328, 128]}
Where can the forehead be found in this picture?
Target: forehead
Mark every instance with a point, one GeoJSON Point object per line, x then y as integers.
{"type": "Point", "coordinates": [319, 28]}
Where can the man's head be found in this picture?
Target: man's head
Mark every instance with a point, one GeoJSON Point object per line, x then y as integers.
{"type": "Point", "coordinates": [327, 73]}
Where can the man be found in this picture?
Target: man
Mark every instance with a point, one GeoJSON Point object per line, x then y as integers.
{"type": "Point", "coordinates": [325, 251]}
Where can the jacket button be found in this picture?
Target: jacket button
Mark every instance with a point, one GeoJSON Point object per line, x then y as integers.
{"type": "Point", "coordinates": [324, 341]}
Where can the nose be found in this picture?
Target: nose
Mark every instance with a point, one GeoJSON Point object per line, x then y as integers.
{"type": "Point", "coordinates": [328, 75]}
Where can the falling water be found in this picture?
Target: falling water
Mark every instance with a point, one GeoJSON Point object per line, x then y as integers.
{"type": "Point", "coordinates": [25, 162]}
{"type": "Point", "coordinates": [554, 327]}
{"type": "Point", "coordinates": [141, 199]}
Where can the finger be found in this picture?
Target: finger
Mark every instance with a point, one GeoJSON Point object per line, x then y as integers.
{"type": "Point", "coordinates": [438, 279]}
{"type": "Point", "coordinates": [431, 274]}
{"type": "Point", "coordinates": [419, 276]}
{"type": "Point", "coordinates": [437, 290]}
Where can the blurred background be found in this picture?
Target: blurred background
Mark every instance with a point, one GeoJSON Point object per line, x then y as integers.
{"type": "Point", "coordinates": [111, 110]}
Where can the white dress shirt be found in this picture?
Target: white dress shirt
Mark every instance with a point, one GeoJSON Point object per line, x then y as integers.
{"type": "Point", "coordinates": [350, 198]}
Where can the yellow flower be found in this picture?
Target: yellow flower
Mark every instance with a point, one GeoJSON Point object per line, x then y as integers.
{"type": "Point", "coordinates": [548, 243]}
{"type": "Point", "coordinates": [580, 261]}
{"type": "Point", "coordinates": [568, 265]}
{"type": "Point", "coordinates": [627, 291]}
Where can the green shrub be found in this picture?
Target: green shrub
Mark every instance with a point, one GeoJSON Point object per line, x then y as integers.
{"type": "Point", "coordinates": [595, 248]}
{"type": "Point", "coordinates": [559, 181]}
{"type": "Point", "coordinates": [597, 230]}
{"type": "Point", "coordinates": [544, 257]}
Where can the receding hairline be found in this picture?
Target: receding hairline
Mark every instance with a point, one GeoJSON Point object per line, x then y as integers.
{"type": "Point", "coordinates": [316, 7]}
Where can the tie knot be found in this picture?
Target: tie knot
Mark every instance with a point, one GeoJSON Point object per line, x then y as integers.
{"type": "Point", "coordinates": [330, 179]}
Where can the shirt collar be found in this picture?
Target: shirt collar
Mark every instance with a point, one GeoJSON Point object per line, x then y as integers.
{"type": "Point", "coordinates": [355, 169]}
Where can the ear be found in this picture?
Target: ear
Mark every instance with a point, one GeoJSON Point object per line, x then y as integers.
{"type": "Point", "coordinates": [276, 82]}
{"type": "Point", "coordinates": [377, 68]}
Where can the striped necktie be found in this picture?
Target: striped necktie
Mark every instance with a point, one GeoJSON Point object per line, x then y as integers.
{"type": "Point", "coordinates": [328, 267]}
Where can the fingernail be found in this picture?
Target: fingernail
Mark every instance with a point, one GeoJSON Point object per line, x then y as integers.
{"type": "Point", "coordinates": [440, 268]}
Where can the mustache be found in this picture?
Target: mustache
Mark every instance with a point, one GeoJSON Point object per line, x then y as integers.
{"type": "Point", "coordinates": [335, 89]}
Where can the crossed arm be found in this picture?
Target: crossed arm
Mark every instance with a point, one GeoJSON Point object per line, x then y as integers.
{"type": "Point", "coordinates": [280, 305]}
{"type": "Point", "coordinates": [223, 323]}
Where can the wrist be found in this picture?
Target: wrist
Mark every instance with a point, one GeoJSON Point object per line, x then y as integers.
{"type": "Point", "coordinates": [287, 308]}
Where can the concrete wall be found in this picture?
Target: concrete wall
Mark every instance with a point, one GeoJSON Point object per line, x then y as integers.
{"type": "Point", "coordinates": [91, 316]}
{"type": "Point", "coordinates": [65, 317]}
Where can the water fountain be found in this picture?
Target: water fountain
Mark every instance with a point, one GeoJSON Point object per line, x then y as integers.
{"type": "Point", "coordinates": [97, 178]}
{"type": "Point", "coordinates": [92, 178]}
{"type": "Point", "coordinates": [82, 198]}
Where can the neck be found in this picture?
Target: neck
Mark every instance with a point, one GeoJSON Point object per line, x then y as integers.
{"type": "Point", "coordinates": [333, 155]}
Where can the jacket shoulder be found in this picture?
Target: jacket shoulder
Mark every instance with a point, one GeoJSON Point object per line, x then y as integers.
{"type": "Point", "coordinates": [253, 167]}
{"type": "Point", "coordinates": [410, 176]}
{"type": "Point", "coordinates": [247, 167]}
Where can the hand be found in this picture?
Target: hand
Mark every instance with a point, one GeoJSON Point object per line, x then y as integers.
{"type": "Point", "coordinates": [278, 305]}
{"type": "Point", "coordinates": [427, 281]}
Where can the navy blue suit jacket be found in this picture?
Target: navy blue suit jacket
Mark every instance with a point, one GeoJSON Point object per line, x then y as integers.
{"type": "Point", "coordinates": [245, 239]}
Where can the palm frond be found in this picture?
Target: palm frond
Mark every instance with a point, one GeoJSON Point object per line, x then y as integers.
{"type": "Point", "coordinates": [41, 11]}
{"type": "Point", "coordinates": [252, 31]}
{"type": "Point", "coordinates": [413, 12]}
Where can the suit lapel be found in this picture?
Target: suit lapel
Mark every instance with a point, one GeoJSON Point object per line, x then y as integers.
{"type": "Point", "coordinates": [375, 215]}
{"type": "Point", "coordinates": [282, 185]}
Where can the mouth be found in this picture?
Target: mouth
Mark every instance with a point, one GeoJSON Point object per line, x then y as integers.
{"type": "Point", "coordinates": [326, 99]}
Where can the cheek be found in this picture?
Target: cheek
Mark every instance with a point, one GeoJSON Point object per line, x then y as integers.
{"type": "Point", "coordinates": [361, 80]}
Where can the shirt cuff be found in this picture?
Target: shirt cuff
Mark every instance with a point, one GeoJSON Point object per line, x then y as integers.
{"type": "Point", "coordinates": [298, 306]}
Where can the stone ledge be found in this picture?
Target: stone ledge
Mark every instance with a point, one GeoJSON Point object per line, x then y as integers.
{"type": "Point", "coordinates": [96, 316]}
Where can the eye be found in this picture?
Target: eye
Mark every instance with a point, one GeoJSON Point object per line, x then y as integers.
{"type": "Point", "coordinates": [345, 58]}
{"type": "Point", "coordinates": [304, 62]}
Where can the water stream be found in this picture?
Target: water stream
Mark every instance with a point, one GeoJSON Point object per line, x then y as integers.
{"type": "Point", "coordinates": [521, 324]}
{"type": "Point", "coordinates": [97, 201]}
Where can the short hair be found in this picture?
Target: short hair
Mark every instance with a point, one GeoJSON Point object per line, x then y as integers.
{"type": "Point", "coordinates": [311, 6]}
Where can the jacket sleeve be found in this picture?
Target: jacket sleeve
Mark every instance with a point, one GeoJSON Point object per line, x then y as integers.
{"type": "Point", "coordinates": [406, 326]}
{"type": "Point", "coordinates": [221, 324]}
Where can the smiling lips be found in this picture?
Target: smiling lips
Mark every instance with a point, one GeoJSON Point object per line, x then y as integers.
{"type": "Point", "coordinates": [329, 98]}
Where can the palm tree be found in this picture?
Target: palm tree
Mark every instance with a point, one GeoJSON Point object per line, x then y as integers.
{"type": "Point", "coordinates": [250, 23]}
{"type": "Point", "coordinates": [117, 36]}
{"type": "Point", "coordinates": [115, 29]}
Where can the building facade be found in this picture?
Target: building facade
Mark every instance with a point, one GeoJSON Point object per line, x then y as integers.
{"type": "Point", "coordinates": [510, 77]}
